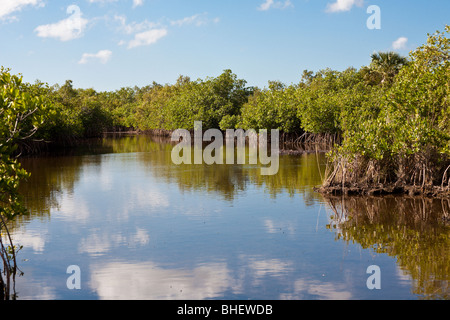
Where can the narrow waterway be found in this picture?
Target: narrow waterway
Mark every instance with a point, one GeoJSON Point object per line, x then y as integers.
{"type": "Point", "coordinates": [140, 227]}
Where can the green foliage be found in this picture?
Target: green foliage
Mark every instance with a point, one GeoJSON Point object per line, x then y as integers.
{"type": "Point", "coordinates": [418, 103]}
{"type": "Point", "coordinates": [11, 174]}
{"type": "Point", "coordinates": [22, 112]}
{"type": "Point", "coordinates": [152, 112]}
{"type": "Point", "coordinates": [272, 108]}
{"type": "Point", "coordinates": [415, 113]}
{"type": "Point", "coordinates": [328, 94]}
{"type": "Point", "coordinates": [394, 111]}
{"type": "Point", "coordinates": [325, 102]}
{"type": "Point", "coordinates": [177, 106]}
{"type": "Point", "coordinates": [383, 68]}
{"type": "Point", "coordinates": [77, 113]}
{"type": "Point", "coordinates": [229, 122]}
{"type": "Point", "coordinates": [406, 125]}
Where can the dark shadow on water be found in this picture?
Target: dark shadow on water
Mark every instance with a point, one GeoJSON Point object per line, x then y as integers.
{"type": "Point", "coordinates": [414, 230]}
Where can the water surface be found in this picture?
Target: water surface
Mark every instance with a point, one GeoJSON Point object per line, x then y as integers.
{"type": "Point", "coordinates": [140, 227]}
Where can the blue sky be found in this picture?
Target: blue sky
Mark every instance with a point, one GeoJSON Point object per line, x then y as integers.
{"type": "Point", "coordinates": [109, 44]}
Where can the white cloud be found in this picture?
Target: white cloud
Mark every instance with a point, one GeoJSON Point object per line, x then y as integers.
{"type": "Point", "coordinates": [101, 1]}
{"type": "Point", "coordinates": [343, 5]}
{"type": "Point", "coordinates": [103, 56]}
{"type": "Point", "coordinates": [147, 37]}
{"type": "Point", "coordinates": [145, 33]}
{"type": "Point", "coordinates": [269, 4]}
{"type": "Point", "coordinates": [137, 3]}
{"type": "Point", "coordinates": [400, 43]}
{"type": "Point", "coordinates": [189, 20]}
{"type": "Point", "coordinates": [266, 5]}
{"type": "Point", "coordinates": [134, 27]}
{"type": "Point", "coordinates": [67, 29]}
{"type": "Point", "coordinates": [9, 6]}
{"type": "Point", "coordinates": [197, 20]}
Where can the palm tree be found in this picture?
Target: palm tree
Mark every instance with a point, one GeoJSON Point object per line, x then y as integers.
{"type": "Point", "coordinates": [387, 65]}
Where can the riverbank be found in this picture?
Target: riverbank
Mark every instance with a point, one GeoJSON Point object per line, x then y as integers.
{"type": "Point", "coordinates": [382, 189]}
{"type": "Point", "coordinates": [298, 149]}
{"type": "Point", "coordinates": [134, 203]}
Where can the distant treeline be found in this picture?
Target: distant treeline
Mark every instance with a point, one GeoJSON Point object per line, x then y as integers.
{"type": "Point", "coordinates": [392, 115]}
{"type": "Point", "coordinates": [323, 102]}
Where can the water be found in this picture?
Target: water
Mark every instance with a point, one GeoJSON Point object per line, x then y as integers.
{"type": "Point", "coordinates": [140, 227]}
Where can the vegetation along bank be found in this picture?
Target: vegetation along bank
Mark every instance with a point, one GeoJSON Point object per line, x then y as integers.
{"type": "Point", "coordinates": [385, 126]}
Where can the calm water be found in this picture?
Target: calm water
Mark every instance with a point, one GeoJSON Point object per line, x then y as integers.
{"type": "Point", "coordinates": [140, 227]}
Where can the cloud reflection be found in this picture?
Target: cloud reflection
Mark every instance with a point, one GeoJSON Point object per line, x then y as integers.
{"type": "Point", "coordinates": [98, 244]}
{"type": "Point", "coordinates": [30, 239]}
{"type": "Point", "coordinates": [137, 281]}
{"type": "Point", "coordinates": [307, 289]}
{"type": "Point", "coordinates": [281, 226]}
{"type": "Point", "coordinates": [73, 208]}
{"type": "Point", "coordinates": [149, 281]}
{"type": "Point", "coordinates": [268, 267]}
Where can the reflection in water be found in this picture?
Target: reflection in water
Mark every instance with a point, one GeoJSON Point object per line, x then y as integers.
{"type": "Point", "coordinates": [9, 268]}
{"type": "Point", "coordinates": [141, 227]}
{"type": "Point", "coordinates": [304, 288]}
{"type": "Point", "coordinates": [96, 244]}
{"type": "Point", "coordinates": [122, 280]}
{"type": "Point", "coordinates": [125, 281]}
{"type": "Point", "coordinates": [53, 175]}
{"type": "Point", "coordinates": [415, 231]}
